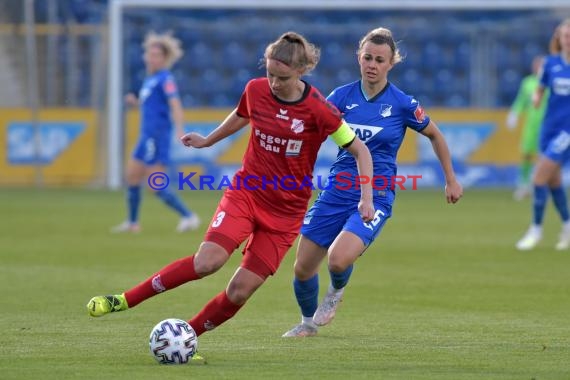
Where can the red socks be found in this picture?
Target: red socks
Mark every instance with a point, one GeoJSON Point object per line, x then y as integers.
{"type": "Point", "coordinates": [216, 312]}
{"type": "Point", "coordinates": [175, 274]}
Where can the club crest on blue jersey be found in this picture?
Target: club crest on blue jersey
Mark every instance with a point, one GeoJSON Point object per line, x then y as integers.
{"type": "Point", "coordinates": [385, 110]}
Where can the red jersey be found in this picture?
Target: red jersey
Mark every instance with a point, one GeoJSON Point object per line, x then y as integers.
{"type": "Point", "coordinates": [283, 145]}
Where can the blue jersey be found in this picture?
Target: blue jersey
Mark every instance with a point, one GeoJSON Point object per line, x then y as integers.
{"type": "Point", "coordinates": [381, 123]}
{"type": "Point", "coordinates": [555, 76]}
{"type": "Point", "coordinates": [155, 93]}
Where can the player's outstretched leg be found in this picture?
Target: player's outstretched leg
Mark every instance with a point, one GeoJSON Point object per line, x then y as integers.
{"type": "Point", "coordinates": [209, 259]}
{"type": "Point", "coordinates": [101, 305]}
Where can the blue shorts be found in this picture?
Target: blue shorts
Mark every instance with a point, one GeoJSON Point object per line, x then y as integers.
{"type": "Point", "coordinates": [152, 150]}
{"type": "Point", "coordinates": [558, 148]}
{"type": "Point", "coordinates": [326, 219]}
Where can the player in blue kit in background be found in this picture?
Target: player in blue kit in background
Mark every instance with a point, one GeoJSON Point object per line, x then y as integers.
{"type": "Point", "coordinates": [333, 226]}
{"type": "Point", "coordinates": [160, 107]}
{"type": "Point", "coordinates": [554, 140]}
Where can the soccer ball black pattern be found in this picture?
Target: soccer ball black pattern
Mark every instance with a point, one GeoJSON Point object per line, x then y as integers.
{"type": "Point", "coordinates": [173, 341]}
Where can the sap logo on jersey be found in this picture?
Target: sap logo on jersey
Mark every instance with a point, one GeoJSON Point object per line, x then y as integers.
{"type": "Point", "coordinates": [561, 86]}
{"type": "Point", "coordinates": [365, 132]}
{"type": "Point", "coordinates": [54, 138]}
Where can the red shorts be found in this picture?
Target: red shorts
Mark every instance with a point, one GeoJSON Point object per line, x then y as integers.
{"type": "Point", "coordinates": [269, 236]}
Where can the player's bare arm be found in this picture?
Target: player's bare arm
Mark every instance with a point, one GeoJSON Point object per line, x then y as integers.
{"type": "Point", "coordinates": [453, 189]}
{"type": "Point", "coordinates": [177, 113]}
{"type": "Point", "coordinates": [229, 126]}
{"type": "Point", "coordinates": [365, 168]}
{"type": "Point", "coordinates": [537, 97]}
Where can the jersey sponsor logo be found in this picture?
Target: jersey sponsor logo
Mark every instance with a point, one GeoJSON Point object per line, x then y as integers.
{"type": "Point", "coordinates": [561, 142]}
{"type": "Point", "coordinates": [269, 142]}
{"type": "Point", "coordinates": [561, 86]}
{"type": "Point", "coordinates": [282, 114]}
{"type": "Point", "coordinates": [297, 126]}
{"type": "Point", "coordinates": [385, 110]}
{"type": "Point", "coordinates": [144, 93]}
{"type": "Point", "coordinates": [419, 114]}
{"type": "Point", "coordinates": [365, 132]}
{"type": "Point", "coordinates": [293, 147]}
{"type": "Point", "coordinates": [147, 89]}
{"type": "Point", "coordinates": [353, 105]}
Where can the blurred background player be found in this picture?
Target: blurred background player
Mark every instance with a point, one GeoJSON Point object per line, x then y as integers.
{"type": "Point", "coordinates": [554, 139]}
{"type": "Point", "coordinates": [522, 105]}
{"type": "Point", "coordinates": [160, 107]}
{"type": "Point", "coordinates": [381, 112]}
{"type": "Point", "coordinates": [289, 121]}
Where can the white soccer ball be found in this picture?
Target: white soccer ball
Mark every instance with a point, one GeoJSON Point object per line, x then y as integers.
{"type": "Point", "coordinates": [173, 341]}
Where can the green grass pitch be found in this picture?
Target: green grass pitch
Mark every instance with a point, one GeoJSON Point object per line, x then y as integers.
{"type": "Point", "coordinates": [442, 294]}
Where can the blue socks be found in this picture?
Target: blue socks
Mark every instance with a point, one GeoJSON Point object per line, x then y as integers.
{"type": "Point", "coordinates": [307, 293]}
{"type": "Point", "coordinates": [339, 280]}
{"type": "Point", "coordinates": [559, 199]}
{"type": "Point", "coordinates": [540, 198]}
{"type": "Point", "coordinates": [173, 202]}
{"type": "Point", "coordinates": [133, 202]}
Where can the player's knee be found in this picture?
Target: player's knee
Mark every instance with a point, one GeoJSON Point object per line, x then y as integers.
{"type": "Point", "coordinates": [303, 271]}
{"type": "Point", "coordinates": [338, 265]}
{"type": "Point", "coordinates": [239, 292]}
{"type": "Point", "coordinates": [209, 259]}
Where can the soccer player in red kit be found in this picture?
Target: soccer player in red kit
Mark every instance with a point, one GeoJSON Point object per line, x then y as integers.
{"type": "Point", "coordinates": [269, 195]}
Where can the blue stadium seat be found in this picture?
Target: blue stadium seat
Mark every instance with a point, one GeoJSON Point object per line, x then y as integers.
{"type": "Point", "coordinates": [200, 56]}
{"type": "Point", "coordinates": [221, 100]}
{"type": "Point", "coordinates": [237, 55]}
{"type": "Point", "coordinates": [509, 82]}
{"type": "Point", "coordinates": [444, 81]}
{"type": "Point", "coordinates": [411, 81]}
{"type": "Point", "coordinates": [432, 56]}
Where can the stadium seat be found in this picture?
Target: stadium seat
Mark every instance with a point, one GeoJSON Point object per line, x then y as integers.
{"type": "Point", "coordinates": [237, 55]}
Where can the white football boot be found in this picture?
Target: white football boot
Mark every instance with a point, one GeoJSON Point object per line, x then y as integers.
{"type": "Point", "coordinates": [530, 239]}
{"type": "Point", "coordinates": [188, 224]}
{"type": "Point", "coordinates": [327, 309]}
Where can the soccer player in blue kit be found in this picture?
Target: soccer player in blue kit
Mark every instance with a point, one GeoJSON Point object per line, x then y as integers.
{"type": "Point", "coordinates": [160, 107]}
{"type": "Point", "coordinates": [380, 113]}
{"type": "Point", "coordinates": [554, 140]}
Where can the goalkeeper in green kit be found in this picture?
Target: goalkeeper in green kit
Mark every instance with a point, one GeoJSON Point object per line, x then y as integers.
{"type": "Point", "coordinates": [531, 129]}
